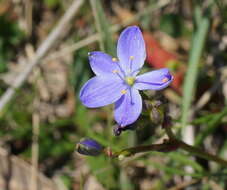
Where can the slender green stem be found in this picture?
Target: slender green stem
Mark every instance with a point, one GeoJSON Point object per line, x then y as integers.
{"type": "Point", "coordinates": [201, 153]}
{"type": "Point", "coordinates": [167, 146]}
{"type": "Point", "coordinates": [194, 150]}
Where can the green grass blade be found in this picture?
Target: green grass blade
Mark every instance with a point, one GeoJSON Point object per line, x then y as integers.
{"type": "Point", "coordinates": [192, 72]}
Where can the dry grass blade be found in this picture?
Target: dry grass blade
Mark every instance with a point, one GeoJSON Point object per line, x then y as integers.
{"type": "Point", "coordinates": [184, 184]}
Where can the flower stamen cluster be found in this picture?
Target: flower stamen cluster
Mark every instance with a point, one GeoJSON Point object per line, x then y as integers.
{"type": "Point", "coordinates": [130, 80]}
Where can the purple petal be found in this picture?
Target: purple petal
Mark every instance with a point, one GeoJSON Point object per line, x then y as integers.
{"type": "Point", "coordinates": [102, 90]}
{"type": "Point", "coordinates": [102, 63]}
{"type": "Point", "coordinates": [131, 49]}
{"type": "Point", "coordinates": [154, 80]}
{"type": "Point", "coordinates": [128, 108]}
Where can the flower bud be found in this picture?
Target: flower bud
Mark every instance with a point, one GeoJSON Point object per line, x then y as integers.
{"type": "Point", "coordinates": [90, 147]}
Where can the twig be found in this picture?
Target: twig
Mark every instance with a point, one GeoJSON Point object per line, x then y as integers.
{"type": "Point", "coordinates": [41, 52]}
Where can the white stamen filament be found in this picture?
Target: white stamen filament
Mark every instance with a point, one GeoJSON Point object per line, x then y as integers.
{"type": "Point", "coordinates": [117, 62]}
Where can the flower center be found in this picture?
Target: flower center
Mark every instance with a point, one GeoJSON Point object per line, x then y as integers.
{"type": "Point", "coordinates": [130, 80]}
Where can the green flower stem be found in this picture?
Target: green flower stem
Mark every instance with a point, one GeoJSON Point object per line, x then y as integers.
{"type": "Point", "coordinates": [194, 150]}
{"type": "Point", "coordinates": [167, 146]}
{"type": "Point", "coordinates": [201, 153]}
{"type": "Point", "coordinates": [170, 145]}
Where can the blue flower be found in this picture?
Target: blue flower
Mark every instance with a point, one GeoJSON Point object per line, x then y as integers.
{"type": "Point", "coordinates": [116, 81]}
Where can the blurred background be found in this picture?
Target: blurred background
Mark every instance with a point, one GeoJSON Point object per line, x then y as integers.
{"type": "Point", "coordinates": [42, 119]}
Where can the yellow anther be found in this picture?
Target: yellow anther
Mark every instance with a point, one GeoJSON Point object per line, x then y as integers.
{"type": "Point", "coordinates": [114, 59]}
{"type": "Point", "coordinates": [165, 79]}
{"type": "Point", "coordinates": [123, 91]}
{"type": "Point", "coordinates": [115, 71]}
{"type": "Point", "coordinates": [131, 57]}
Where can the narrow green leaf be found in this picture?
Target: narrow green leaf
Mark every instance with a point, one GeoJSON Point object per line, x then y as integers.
{"type": "Point", "coordinates": [174, 171]}
{"type": "Point", "coordinates": [102, 25]}
{"type": "Point", "coordinates": [192, 72]}
{"type": "Point", "coordinates": [181, 159]}
{"type": "Point", "coordinates": [184, 159]}
{"type": "Point", "coordinates": [210, 127]}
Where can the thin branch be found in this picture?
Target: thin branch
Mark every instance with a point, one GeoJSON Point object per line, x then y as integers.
{"type": "Point", "coordinates": [41, 52]}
